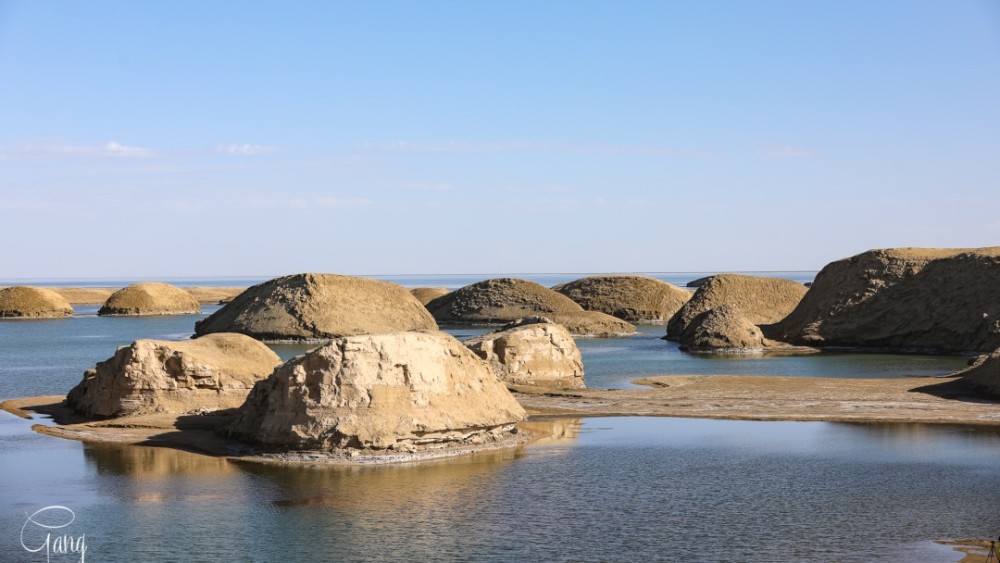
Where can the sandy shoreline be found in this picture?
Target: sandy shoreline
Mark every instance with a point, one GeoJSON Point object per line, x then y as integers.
{"type": "Point", "coordinates": [904, 400]}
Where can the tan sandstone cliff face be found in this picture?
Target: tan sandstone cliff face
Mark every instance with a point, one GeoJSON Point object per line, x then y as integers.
{"type": "Point", "coordinates": [532, 351]}
{"type": "Point", "coordinates": [722, 330]}
{"type": "Point", "coordinates": [214, 372]}
{"type": "Point", "coordinates": [150, 298]}
{"type": "Point", "coordinates": [401, 390]}
{"type": "Point", "coordinates": [504, 300]}
{"type": "Point", "coordinates": [318, 307]}
{"type": "Point", "coordinates": [761, 300]}
{"type": "Point", "coordinates": [22, 301]}
{"type": "Point", "coordinates": [943, 300]}
{"type": "Point", "coordinates": [636, 299]}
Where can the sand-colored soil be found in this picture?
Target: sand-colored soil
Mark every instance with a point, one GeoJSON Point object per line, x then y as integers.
{"type": "Point", "coordinates": [741, 397]}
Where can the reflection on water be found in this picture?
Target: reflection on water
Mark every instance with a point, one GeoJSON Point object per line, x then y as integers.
{"type": "Point", "coordinates": [605, 489]}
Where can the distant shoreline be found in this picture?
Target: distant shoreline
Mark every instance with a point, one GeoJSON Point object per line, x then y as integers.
{"type": "Point", "coordinates": [206, 295]}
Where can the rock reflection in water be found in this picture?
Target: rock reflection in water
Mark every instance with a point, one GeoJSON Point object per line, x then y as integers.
{"type": "Point", "coordinates": [155, 474]}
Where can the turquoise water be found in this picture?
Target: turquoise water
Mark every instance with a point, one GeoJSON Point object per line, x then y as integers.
{"type": "Point", "coordinates": [614, 489]}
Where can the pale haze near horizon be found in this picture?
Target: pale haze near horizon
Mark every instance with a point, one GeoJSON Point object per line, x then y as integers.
{"type": "Point", "coordinates": [248, 139]}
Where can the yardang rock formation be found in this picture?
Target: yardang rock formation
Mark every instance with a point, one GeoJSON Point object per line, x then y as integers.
{"type": "Point", "coordinates": [504, 300]}
{"type": "Point", "coordinates": [532, 351]}
{"type": "Point", "coordinates": [318, 307]}
{"type": "Point", "coordinates": [26, 302]}
{"type": "Point", "coordinates": [761, 300]}
{"type": "Point", "coordinates": [404, 390]}
{"type": "Point", "coordinates": [902, 299]}
{"type": "Point", "coordinates": [150, 298]}
{"type": "Point", "coordinates": [636, 299]}
{"type": "Point", "coordinates": [214, 372]}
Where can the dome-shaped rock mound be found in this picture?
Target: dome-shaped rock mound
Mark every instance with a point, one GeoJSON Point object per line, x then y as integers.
{"type": "Point", "coordinates": [26, 302]}
{"type": "Point", "coordinates": [722, 330]}
{"type": "Point", "coordinates": [427, 294]}
{"type": "Point", "coordinates": [504, 300]}
{"type": "Point", "coordinates": [318, 307]}
{"type": "Point", "coordinates": [404, 390]}
{"type": "Point", "coordinates": [214, 372]}
{"type": "Point", "coordinates": [761, 300]}
{"type": "Point", "coordinates": [636, 299]}
{"type": "Point", "coordinates": [532, 351]}
{"type": "Point", "coordinates": [150, 298]}
{"type": "Point", "coordinates": [922, 299]}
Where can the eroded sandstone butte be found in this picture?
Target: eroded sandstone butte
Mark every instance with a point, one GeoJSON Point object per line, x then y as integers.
{"type": "Point", "coordinates": [532, 351]}
{"type": "Point", "coordinates": [636, 299]}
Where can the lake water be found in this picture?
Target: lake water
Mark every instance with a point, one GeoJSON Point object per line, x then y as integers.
{"type": "Point", "coordinates": [610, 489]}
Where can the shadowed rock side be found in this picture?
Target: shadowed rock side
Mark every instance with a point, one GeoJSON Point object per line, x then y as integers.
{"type": "Point", "coordinates": [214, 372]}
{"type": "Point", "coordinates": [403, 390]}
{"type": "Point", "coordinates": [318, 307]}
{"type": "Point", "coordinates": [760, 300]}
{"type": "Point", "coordinates": [983, 377]}
{"type": "Point", "coordinates": [902, 299]}
{"type": "Point", "coordinates": [532, 351]}
{"type": "Point", "coordinates": [722, 330]}
{"type": "Point", "coordinates": [22, 301]}
{"type": "Point", "coordinates": [150, 298]}
{"type": "Point", "coordinates": [503, 300]}
{"type": "Point", "coordinates": [636, 299]}
{"type": "Point", "coordinates": [427, 294]}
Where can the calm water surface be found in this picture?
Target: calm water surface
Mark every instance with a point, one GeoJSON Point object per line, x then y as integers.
{"type": "Point", "coordinates": [615, 489]}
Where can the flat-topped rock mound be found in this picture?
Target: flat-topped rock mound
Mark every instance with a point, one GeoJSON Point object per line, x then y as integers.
{"type": "Point", "coordinates": [532, 351]}
{"type": "Point", "coordinates": [902, 299]}
{"type": "Point", "coordinates": [427, 294]}
{"type": "Point", "coordinates": [213, 372]}
{"type": "Point", "coordinates": [504, 300]}
{"type": "Point", "coordinates": [27, 302]}
{"type": "Point", "coordinates": [150, 298]}
{"type": "Point", "coordinates": [761, 300]}
{"type": "Point", "coordinates": [636, 299]}
{"type": "Point", "coordinates": [722, 330]}
{"type": "Point", "coordinates": [318, 307]}
{"type": "Point", "coordinates": [404, 390]}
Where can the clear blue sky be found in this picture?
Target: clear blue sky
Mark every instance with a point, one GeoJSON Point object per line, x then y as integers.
{"type": "Point", "coordinates": [143, 139]}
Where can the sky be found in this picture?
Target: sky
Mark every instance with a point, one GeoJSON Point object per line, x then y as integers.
{"type": "Point", "coordinates": [176, 139]}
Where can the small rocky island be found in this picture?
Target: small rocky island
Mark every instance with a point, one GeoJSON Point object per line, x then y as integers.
{"type": "Point", "coordinates": [317, 307]}
{"type": "Point", "coordinates": [25, 302]}
{"type": "Point", "coordinates": [150, 298]}
{"type": "Point", "coordinates": [504, 300]}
